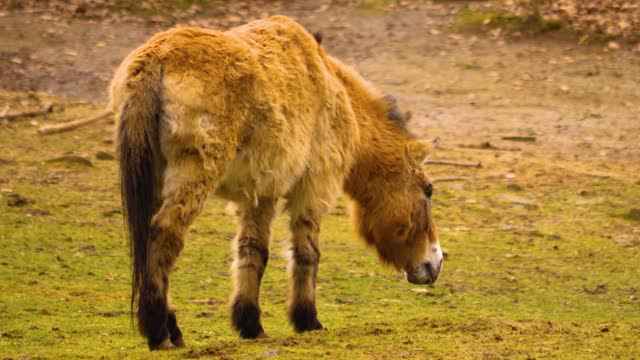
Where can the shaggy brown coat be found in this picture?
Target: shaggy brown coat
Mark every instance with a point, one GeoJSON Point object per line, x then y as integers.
{"type": "Point", "coordinates": [257, 114]}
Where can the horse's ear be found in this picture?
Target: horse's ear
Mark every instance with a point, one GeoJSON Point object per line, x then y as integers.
{"type": "Point", "coordinates": [432, 145]}
{"type": "Point", "coordinates": [416, 152]}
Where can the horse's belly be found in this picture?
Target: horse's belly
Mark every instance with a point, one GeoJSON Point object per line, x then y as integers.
{"type": "Point", "coordinates": [254, 174]}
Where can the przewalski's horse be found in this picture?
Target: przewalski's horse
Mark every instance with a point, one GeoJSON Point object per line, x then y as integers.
{"type": "Point", "coordinates": [257, 114]}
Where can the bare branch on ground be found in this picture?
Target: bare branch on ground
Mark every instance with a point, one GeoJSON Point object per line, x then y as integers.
{"type": "Point", "coordinates": [449, 179]}
{"type": "Point", "coordinates": [44, 109]}
{"type": "Point", "coordinates": [488, 146]}
{"type": "Point", "coordinates": [69, 125]}
{"type": "Point", "coordinates": [520, 138]}
{"type": "Point", "coordinates": [453, 163]}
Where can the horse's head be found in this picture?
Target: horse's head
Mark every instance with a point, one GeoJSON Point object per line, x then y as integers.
{"type": "Point", "coordinates": [399, 223]}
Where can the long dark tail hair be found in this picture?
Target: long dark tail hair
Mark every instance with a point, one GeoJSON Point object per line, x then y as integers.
{"type": "Point", "coordinates": [138, 151]}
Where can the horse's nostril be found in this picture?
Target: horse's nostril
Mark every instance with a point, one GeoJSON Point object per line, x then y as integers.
{"type": "Point", "coordinates": [432, 271]}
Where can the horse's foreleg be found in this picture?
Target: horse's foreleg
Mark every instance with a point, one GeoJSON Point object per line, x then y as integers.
{"type": "Point", "coordinates": [302, 270]}
{"type": "Point", "coordinates": [251, 257]}
{"type": "Point", "coordinates": [183, 199]}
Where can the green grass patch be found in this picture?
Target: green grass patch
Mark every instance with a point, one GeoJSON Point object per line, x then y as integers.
{"type": "Point", "coordinates": [471, 65]}
{"type": "Point", "coordinates": [185, 4]}
{"type": "Point", "coordinates": [162, 7]}
{"type": "Point", "coordinates": [471, 20]}
{"type": "Point", "coordinates": [376, 3]}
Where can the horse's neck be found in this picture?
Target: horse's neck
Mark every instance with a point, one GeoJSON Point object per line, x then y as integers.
{"type": "Point", "coordinates": [380, 151]}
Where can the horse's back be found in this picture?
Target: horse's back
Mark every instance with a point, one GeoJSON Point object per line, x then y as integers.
{"type": "Point", "coordinates": [263, 88]}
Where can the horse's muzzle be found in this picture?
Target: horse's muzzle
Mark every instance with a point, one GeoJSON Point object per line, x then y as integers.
{"type": "Point", "coordinates": [424, 273]}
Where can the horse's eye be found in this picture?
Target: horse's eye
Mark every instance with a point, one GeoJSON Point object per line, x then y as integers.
{"type": "Point", "coordinates": [400, 231]}
{"type": "Point", "coordinates": [428, 190]}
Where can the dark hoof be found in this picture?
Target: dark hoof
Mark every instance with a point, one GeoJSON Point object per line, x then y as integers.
{"type": "Point", "coordinates": [179, 342]}
{"type": "Point", "coordinates": [174, 330]}
{"type": "Point", "coordinates": [164, 345]}
{"type": "Point", "coordinates": [305, 318]}
{"type": "Point", "coordinates": [256, 332]}
{"type": "Point", "coordinates": [311, 326]}
{"type": "Point", "coordinates": [253, 335]}
{"type": "Point", "coordinates": [245, 318]}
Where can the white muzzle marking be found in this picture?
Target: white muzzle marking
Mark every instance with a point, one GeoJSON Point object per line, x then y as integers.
{"type": "Point", "coordinates": [427, 271]}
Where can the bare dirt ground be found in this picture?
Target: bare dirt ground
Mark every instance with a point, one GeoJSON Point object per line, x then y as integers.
{"type": "Point", "coordinates": [527, 204]}
{"type": "Point", "coordinates": [581, 100]}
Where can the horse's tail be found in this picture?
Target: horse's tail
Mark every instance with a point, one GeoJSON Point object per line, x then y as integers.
{"type": "Point", "coordinates": [137, 144]}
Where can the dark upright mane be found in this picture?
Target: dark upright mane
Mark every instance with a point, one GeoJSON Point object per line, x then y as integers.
{"type": "Point", "coordinates": [395, 115]}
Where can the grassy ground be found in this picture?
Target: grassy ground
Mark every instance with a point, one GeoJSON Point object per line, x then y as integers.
{"type": "Point", "coordinates": [543, 240]}
{"type": "Point", "coordinates": [542, 266]}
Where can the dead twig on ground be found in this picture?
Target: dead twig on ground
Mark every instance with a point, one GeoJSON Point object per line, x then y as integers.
{"type": "Point", "coordinates": [488, 146]}
{"type": "Point", "coordinates": [449, 179]}
{"type": "Point", "coordinates": [453, 163]}
{"type": "Point", "coordinates": [520, 138]}
{"type": "Point", "coordinates": [69, 125]}
{"type": "Point", "coordinates": [44, 109]}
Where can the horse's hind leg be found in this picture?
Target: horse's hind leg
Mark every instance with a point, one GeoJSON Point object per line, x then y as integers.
{"type": "Point", "coordinates": [252, 254]}
{"type": "Point", "coordinates": [184, 193]}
